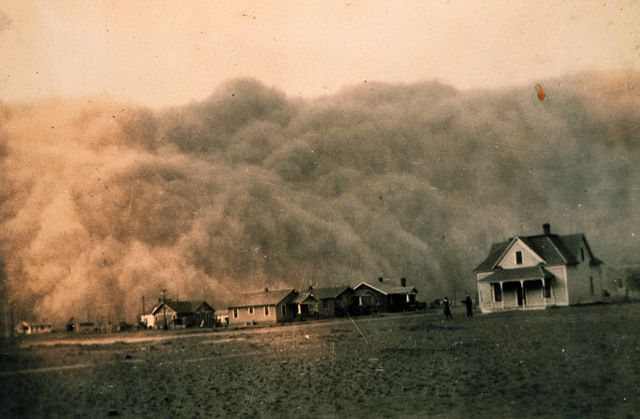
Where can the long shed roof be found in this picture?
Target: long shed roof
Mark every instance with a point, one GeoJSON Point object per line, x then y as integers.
{"type": "Point", "coordinates": [328, 293]}
{"type": "Point", "coordinates": [264, 298]}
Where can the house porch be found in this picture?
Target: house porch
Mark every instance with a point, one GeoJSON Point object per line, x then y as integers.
{"type": "Point", "coordinates": [503, 290]}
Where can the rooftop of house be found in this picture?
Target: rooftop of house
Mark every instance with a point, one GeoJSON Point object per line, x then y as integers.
{"type": "Point", "coordinates": [181, 307]}
{"type": "Point", "coordinates": [306, 297]}
{"type": "Point", "coordinates": [552, 248]}
{"type": "Point", "coordinates": [387, 287]}
{"type": "Point", "coordinates": [327, 293]}
{"type": "Point", "coordinates": [263, 298]}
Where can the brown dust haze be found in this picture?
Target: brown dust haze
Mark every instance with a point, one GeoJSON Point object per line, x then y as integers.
{"type": "Point", "coordinates": [102, 203]}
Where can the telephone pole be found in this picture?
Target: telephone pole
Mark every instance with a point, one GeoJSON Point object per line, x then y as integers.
{"type": "Point", "coordinates": [164, 307]}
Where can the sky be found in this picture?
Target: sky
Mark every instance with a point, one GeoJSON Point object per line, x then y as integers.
{"type": "Point", "coordinates": [159, 53]}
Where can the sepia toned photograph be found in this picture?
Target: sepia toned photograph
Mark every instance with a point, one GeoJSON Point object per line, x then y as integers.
{"type": "Point", "coordinates": [335, 209]}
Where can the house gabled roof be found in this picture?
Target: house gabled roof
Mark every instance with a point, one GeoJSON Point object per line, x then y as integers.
{"type": "Point", "coordinates": [525, 241]}
{"type": "Point", "coordinates": [264, 298]}
{"type": "Point", "coordinates": [329, 293]}
{"type": "Point", "coordinates": [182, 307]}
{"type": "Point", "coordinates": [387, 288]}
{"type": "Point", "coordinates": [553, 249]}
{"type": "Point", "coordinates": [305, 298]}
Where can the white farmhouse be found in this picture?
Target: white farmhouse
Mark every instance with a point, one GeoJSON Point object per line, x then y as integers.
{"type": "Point", "coordinates": [535, 272]}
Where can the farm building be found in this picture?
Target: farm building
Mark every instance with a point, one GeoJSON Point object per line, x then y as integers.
{"type": "Point", "coordinates": [221, 316]}
{"type": "Point", "coordinates": [29, 328]}
{"type": "Point", "coordinates": [334, 302]}
{"type": "Point", "coordinates": [306, 306]}
{"type": "Point", "coordinates": [183, 314]}
{"type": "Point", "coordinates": [534, 272]}
{"type": "Point", "coordinates": [148, 321]}
{"type": "Point", "coordinates": [384, 296]}
{"type": "Point", "coordinates": [268, 306]}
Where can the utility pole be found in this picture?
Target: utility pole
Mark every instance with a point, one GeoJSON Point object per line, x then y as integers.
{"type": "Point", "coordinates": [164, 307]}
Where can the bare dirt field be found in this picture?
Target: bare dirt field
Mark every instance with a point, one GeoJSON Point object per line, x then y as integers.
{"type": "Point", "coordinates": [570, 362]}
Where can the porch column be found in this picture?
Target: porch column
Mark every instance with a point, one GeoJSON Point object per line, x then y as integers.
{"type": "Point", "coordinates": [524, 299]}
{"type": "Point", "coordinates": [501, 295]}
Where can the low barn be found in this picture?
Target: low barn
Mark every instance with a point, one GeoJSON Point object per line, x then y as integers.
{"type": "Point", "coordinates": [384, 296]}
{"type": "Point", "coordinates": [268, 306]}
{"type": "Point", "coordinates": [535, 272]}
{"type": "Point", "coordinates": [334, 302]}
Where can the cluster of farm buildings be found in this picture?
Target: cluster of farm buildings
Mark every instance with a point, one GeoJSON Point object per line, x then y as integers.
{"type": "Point", "coordinates": [287, 305]}
{"type": "Point", "coordinates": [523, 272]}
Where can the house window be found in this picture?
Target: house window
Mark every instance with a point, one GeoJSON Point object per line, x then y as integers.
{"type": "Point", "coordinates": [591, 284]}
{"type": "Point", "coordinates": [266, 310]}
{"type": "Point", "coordinates": [518, 258]}
{"type": "Point", "coordinates": [284, 309]}
{"type": "Point", "coordinates": [497, 292]}
{"type": "Point", "coordinates": [547, 290]}
{"type": "Point", "coordinates": [250, 310]}
{"type": "Point", "coordinates": [235, 313]}
{"type": "Point", "coordinates": [582, 253]}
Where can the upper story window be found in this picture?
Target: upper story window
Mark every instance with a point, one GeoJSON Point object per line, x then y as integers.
{"type": "Point", "coordinates": [518, 258]}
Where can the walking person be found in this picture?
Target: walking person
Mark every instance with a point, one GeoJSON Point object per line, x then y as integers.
{"type": "Point", "coordinates": [447, 309]}
{"type": "Point", "coordinates": [469, 304]}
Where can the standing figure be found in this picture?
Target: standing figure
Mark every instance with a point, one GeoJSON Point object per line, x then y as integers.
{"type": "Point", "coordinates": [469, 304]}
{"type": "Point", "coordinates": [447, 309]}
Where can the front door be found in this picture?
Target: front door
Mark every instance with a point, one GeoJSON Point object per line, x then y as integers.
{"type": "Point", "coordinates": [512, 294]}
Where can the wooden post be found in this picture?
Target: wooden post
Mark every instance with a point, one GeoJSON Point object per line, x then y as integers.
{"type": "Point", "coordinates": [164, 307]}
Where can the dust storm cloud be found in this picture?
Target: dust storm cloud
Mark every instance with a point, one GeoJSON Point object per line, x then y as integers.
{"type": "Point", "coordinates": [102, 203]}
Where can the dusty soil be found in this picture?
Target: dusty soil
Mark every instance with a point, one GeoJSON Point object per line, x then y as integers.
{"type": "Point", "coordinates": [571, 362]}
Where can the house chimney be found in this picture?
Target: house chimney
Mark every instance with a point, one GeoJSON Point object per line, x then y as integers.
{"type": "Point", "coordinates": [547, 229]}
{"type": "Point", "coordinates": [380, 279]}
{"type": "Point", "coordinates": [403, 281]}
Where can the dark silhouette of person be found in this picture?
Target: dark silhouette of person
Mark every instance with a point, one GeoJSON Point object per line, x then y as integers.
{"type": "Point", "coordinates": [447, 309]}
{"type": "Point", "coordinates": [469, 304]}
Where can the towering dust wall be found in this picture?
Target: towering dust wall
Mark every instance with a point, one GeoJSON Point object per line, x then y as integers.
{"type": "Point", "coordinates": [102, 203]}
